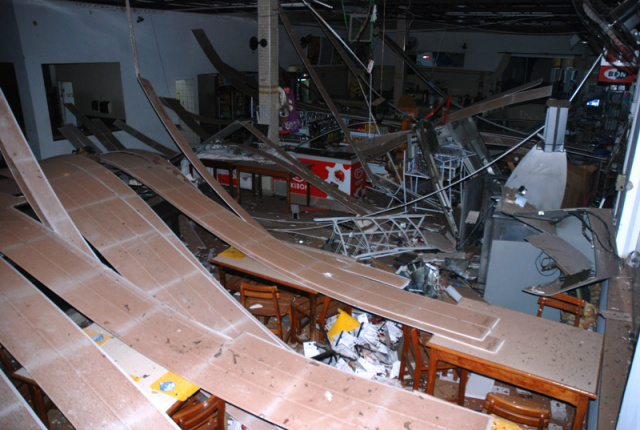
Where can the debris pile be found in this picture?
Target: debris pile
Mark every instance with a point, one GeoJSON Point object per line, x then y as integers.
{"type": "Point", "coordinates": [361, 344]}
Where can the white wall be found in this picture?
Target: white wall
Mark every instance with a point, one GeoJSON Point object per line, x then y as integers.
{"type": "Point", "coordinates": [50, 31]}
{"type": "Point", "coordinates": [53, 32]}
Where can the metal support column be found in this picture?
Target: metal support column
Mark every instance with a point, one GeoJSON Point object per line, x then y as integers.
{"type": "Point", "coordinates": [555, 125]}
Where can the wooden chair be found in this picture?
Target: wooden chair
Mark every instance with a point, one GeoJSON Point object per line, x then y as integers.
{"type": "Point", "coordinates": [264, 301]}
{"type": "Point", "coordinates": [325, 307]}
{"type": "Point", "coordinates": [6, 362]}
{"type": "Point", "coordinates": [415, 360]}
{"type": "Point", "coordinates": [200, 413]}
{"type": "Point", "coordinates": [565, 303]}
{"type": "Point", "coordinates": [517, 410]}
{"type": "Point", "coordinates": [40, 402]}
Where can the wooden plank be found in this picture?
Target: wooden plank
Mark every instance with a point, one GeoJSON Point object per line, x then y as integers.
{"type": "Point", "coordinates": [283, 387]}
{"type": "Point", "coordinates": [104, 140]}
{"type": "Point", "coordinates": [15, 412]}
{"type": "Point", "coordinates": [517, 89]}
{"type": "Point", "coordinates": [138, 244]}
{"type": "Point", "coordinates": [186, 117]}
{"type": "Point", "coordinates": [107, 133]}
{"type": "Point", "coordinates": [145, 139]}
{"type": "Point", "coordinates": [189, 154]}
{"type": "Point", "coordinates": [77, 138]}
{"type": "Point", "coordinates": [27, 173]}
{"type": "Point", "coordinates": [246, 358]}
{"type": "Point", "coordinates": [236, 77]}
{"type": "Point", "coordinates": [506, 100]}
{"type": "Point", "coordinates": [417, 311]}
{"type": "Point", "coordinates": [102, 395]}
{"type": "Point", "coordinates": [352, 265]}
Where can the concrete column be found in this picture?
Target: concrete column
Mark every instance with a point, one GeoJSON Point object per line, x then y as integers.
{"type": "Point", "coordinates": [268, 66]}
{"type": "Point", "coordinates": [399, 69]}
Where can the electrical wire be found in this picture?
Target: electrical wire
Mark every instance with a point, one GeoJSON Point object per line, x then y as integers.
{"type": "Point", "coordinates": [542, 261]}
{"type": "Point", "coordinates": [610, 247]}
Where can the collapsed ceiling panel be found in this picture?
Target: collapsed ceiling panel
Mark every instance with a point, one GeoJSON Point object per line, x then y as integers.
{"type": "Point", "coordinates": [315, 274]}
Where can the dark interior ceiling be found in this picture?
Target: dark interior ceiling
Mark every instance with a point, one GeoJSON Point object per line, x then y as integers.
{"type": "Point", "coordinates": [511, 16]}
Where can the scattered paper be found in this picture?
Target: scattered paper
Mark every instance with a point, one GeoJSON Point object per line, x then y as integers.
{"type": "Point", "coordinates": [558, 410]}
{"type": "Point", "coordinates": [310, 349]}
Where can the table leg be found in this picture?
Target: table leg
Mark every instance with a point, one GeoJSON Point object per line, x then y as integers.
{"type": "Point", "coordinates": [37, 396]}
{"type": "Point", "coordinates": [223, 276]}
{"type": "Point", "coordinates": [230, 176]}
{"type": "Point", "coordinates": [431, 376]}
{"type": "Point", "coordinates": [238, 184]}
{"type": "Point", "coordinates": [312, 316]}
{"type": "Point", "coordinates": [462, 387]}
{"type": "Point", "coordinates": [581, 411]}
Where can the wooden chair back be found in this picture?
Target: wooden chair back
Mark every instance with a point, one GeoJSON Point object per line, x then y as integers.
{"type": "Point", "coordinates": [198, 414]}
{"type": "Point", "coordinates": [564, 302]}
{"type": "Point", "coordinates": [517, 411]}
{"type": "Point", "coordinates": [415, 359]}
{"type": "Point", "coordinates": [265, 295]}
{"type": "Point", "coordinates": [325, 307]}
{"type": "Point", "coordinates": [264, 301]}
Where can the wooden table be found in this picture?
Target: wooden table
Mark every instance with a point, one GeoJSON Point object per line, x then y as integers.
{"type": "Point", "coordinates": [233, 261]}
{"type": "Point", "coordinates": [257, 169]}
{"type": "Point", "coordinates": [219, 164]}
{"type": "Point", "coordinates": [554, 359]}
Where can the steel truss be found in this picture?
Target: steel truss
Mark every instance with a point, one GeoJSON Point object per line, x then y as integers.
{"type": "Point", "coordinates": [365, 237]}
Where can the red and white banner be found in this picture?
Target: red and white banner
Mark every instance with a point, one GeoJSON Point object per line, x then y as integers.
{"type": "Point", "coordinates": [615, 72]}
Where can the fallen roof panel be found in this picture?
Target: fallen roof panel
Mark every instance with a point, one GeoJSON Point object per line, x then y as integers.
{"type": "Point", "coordinates": [283, 387]}
{"type": "Point", "coordinates": [106, 139]}
{"type": "Point", "coordinates": [145, 139]}
{"type": "Point", "coordinates": [27, 173]}
{"type": "Point", "coordinates": [77, 138]}
{"type": "Point", "coordinates": [134, 240]}
{"type": "Point", "coordinates": [416, 311]}
{"type": "Point", "coordinates": [102, 395]}
{"type": "Point", "coordinates": [351, 265]}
